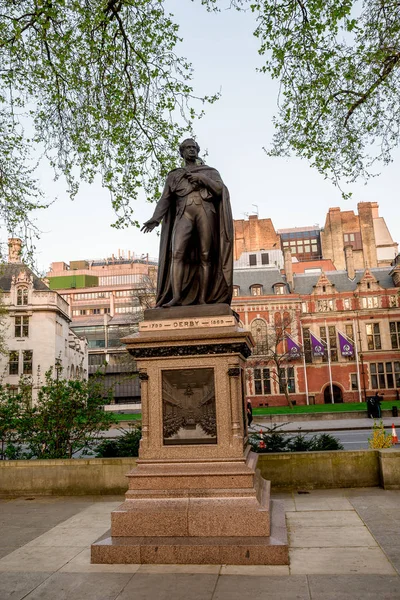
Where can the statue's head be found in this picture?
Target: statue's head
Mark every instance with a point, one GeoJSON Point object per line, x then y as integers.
{"type": "Point", "coordinates": [187, 146]}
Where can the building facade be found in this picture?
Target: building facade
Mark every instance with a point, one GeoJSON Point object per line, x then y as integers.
{"type": "Point", "coordinates": [106, 300]}
{"type": "Point", "coordinates": [36, 328]}
{"type": "Point", "coordinates": [366, 231]}
{"type": "Point", "coordinates": [361, 305]}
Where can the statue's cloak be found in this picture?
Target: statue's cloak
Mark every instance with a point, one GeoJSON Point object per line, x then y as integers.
{"type": "Point", "coordinates": [220, 287]}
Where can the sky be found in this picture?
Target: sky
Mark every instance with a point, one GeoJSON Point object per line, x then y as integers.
{"type": "Point", "coordinates": [234, 131]}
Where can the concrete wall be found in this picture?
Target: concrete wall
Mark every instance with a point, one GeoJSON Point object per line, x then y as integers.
{"type": "Point", "coordinates": [294, 470]}
{"type": "Point", "coordinates": [74, 477]}
{"type": "Point", "coordinates": [314, 470]}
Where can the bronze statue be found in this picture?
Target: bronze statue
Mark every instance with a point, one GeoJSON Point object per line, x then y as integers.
{"type": "Point", "coordinates": [196, 247]}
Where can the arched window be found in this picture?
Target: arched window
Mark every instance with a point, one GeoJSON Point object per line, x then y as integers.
{"type": "Point", "coordinates": [259, 331]}
{"type": "Point", "coordinates": [236, 289]}
{"type": "Point", "coordinates": [22, 296]}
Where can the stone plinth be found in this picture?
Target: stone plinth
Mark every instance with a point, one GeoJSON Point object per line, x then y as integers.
{"type": "Point", "coordinates": [195, 496]}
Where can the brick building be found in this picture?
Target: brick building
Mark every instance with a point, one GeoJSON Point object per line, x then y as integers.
{"type": "Point", "coordinates": [366, 232]}
{"type": "Point", "coordinates": [364, 305]}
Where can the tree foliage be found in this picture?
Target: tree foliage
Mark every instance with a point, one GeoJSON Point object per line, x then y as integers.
{"type": "Point", "coordinates": [96, 87]}
{"type": "Point", "coordinates": [338, 64]}
{"type": "Point", "coordinates": [66, 418]}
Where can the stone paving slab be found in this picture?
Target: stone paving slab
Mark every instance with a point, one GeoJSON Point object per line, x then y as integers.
{"type": "Point", "coordinates": [262, 588]}
{"type": "Point", "coordinates": [81, 586]}
{"type": "Point", "coordinates": [329, 561]}
{"type": "Point", "coordinates": [344, 544]}
{"type": "Point", "coordinates": [16, 586]}
{"type": "Point", "coordinates": [349, 587]}
{"type": "Point", "coordinates": [169, 586]}
{"type": "Point", "coordinates": [332, 537]}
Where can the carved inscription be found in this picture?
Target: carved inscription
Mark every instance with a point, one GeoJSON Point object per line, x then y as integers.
{"type": "Point", "coordinates": [187, 323]}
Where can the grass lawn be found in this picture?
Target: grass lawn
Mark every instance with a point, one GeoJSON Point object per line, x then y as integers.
{"type": "Point", "coordinates": [129, 417]}
{"type": "Point", "coordinates": [320, 408]}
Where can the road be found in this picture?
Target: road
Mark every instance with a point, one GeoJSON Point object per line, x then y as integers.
{"type": "Point", "coordinates": [350, 439]}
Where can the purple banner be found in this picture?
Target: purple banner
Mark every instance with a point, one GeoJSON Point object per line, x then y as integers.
{"type": "Point", "coordinates": [346, 347]}
{"type": "Point", "coordinates": [318, 347]}
{"type": "Point", "coordinates": [294, 349]}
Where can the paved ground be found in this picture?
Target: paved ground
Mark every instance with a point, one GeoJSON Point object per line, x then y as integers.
{"type": "Point", "coordinates": [344, 545]}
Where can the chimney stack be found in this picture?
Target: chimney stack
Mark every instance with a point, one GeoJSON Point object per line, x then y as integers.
{"type": "Point", "coordinates": [14, 250]}
{"type": "Point", "coordinates": [348, 254]}
{"type": "Point", "coordinates": [287, 258]}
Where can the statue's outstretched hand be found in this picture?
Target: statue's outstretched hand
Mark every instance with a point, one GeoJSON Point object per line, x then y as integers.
{"type": "Point", "coordinates": [149, 226]}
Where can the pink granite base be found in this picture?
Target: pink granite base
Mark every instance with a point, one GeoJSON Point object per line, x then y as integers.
{"type": "Point", "coordinates": [246, 550]}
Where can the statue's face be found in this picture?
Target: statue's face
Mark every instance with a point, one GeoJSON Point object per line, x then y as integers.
{"type": "Point", "coordinates": [189, 151]}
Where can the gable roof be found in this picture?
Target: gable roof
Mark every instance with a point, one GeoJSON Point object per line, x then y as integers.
{"type": "Point", "coordinates": [7, 271]}
{"type": "Point", "coordinates": [304, 284]}
{"type": "Point", "coordinates": [267, 278]}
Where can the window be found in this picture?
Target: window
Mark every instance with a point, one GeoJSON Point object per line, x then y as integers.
{"type": "Point", "coordinates": [279, 289]}
{"type": "Point", "coordinates": [259, 332]}
{"type": "Point", "coordinates": [349, 331]}
{"type": "Point", "coordinates": [236, 290]}
{"type": "Point", "coordinates": [127, 309]}
{"type": "Point", "coordinates": [95, 311]}
{"type": "Point", "coordinates": [256, 290]}
{"type": "Point", "coordinates": [22, 296]}
{"type": "Point", "coordinates": [392, 301]}
{"type": "Point", "coordinates": [332, 342]}
{"type": "Point", "coordinates": [13, 360]}
{"type": "Point", "coordinates": [286, 377]}
{"type": "Point", "coordinates": [252, 260]}
{"type": "Point", "coordinates": [262, 381]}
{"type": "Point", "coordinates": [107, 311]}
{"type": "Point", "coordinates": [325, 305]}
{"type": "Point", "coordinates": [370, 302]}
{"type": "Point", "coordinates": [373, 336]}
{"type": "Point", "coordinates": [307, 345]}
{"type": "Point", "coordinates": [265, 259]}
{"type": "Point", "coordinates": [354, 381]}
{"type": "Point", "coordinates": [385, 375]}
{"type": "Point", "coordinates": [21, 327]}
{"type": "Point", "coordinates": [394, 328]}
{"type": "Point", "coordinates": [27, 362]}
{"type": "Point", "coordinates": [347, 304]}
{"type": "Point", "coordinates": [304, 307]}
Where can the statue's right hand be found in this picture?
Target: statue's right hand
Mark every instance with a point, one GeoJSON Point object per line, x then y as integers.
{"type": "Point", "coordinates": [149, 226]}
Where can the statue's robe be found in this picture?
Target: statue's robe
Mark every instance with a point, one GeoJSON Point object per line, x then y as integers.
{"type": "Point", "coordinates": [171, 208]}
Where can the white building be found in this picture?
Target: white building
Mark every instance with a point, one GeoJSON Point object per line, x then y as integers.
{"type": "Point", "coordinates": [36, 327]}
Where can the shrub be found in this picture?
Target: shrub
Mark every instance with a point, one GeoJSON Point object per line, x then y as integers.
{"type": "Point", "coordinates": [125, 445]}
{"type": "Point", "coordinates": [379, 437]}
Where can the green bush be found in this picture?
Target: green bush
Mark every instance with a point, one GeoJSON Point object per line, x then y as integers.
{"type": "Point", "coordinates": [125, 445]}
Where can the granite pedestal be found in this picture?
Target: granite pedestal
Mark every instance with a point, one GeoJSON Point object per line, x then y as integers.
{"type": "Point", "coordinates": [196, 495]}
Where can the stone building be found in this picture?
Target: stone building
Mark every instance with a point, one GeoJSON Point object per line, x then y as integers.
{"type": "Point", "coordinates": [36, 327]}
{"type": "Point", "coordinates": [363, 305]}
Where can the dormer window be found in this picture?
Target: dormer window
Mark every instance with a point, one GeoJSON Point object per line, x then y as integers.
{"type": "Point", "coordinates": [22, 296]}
{"type": "Point", "coordinates": [279, 288]}
{"type": "Point", "coordinates": [236, 289]}
{"type": "Point", "coordinates": [256, 290]}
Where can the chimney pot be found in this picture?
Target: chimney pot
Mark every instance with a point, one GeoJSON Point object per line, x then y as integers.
{"type": "Point", "coordinates": [14, 250]}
